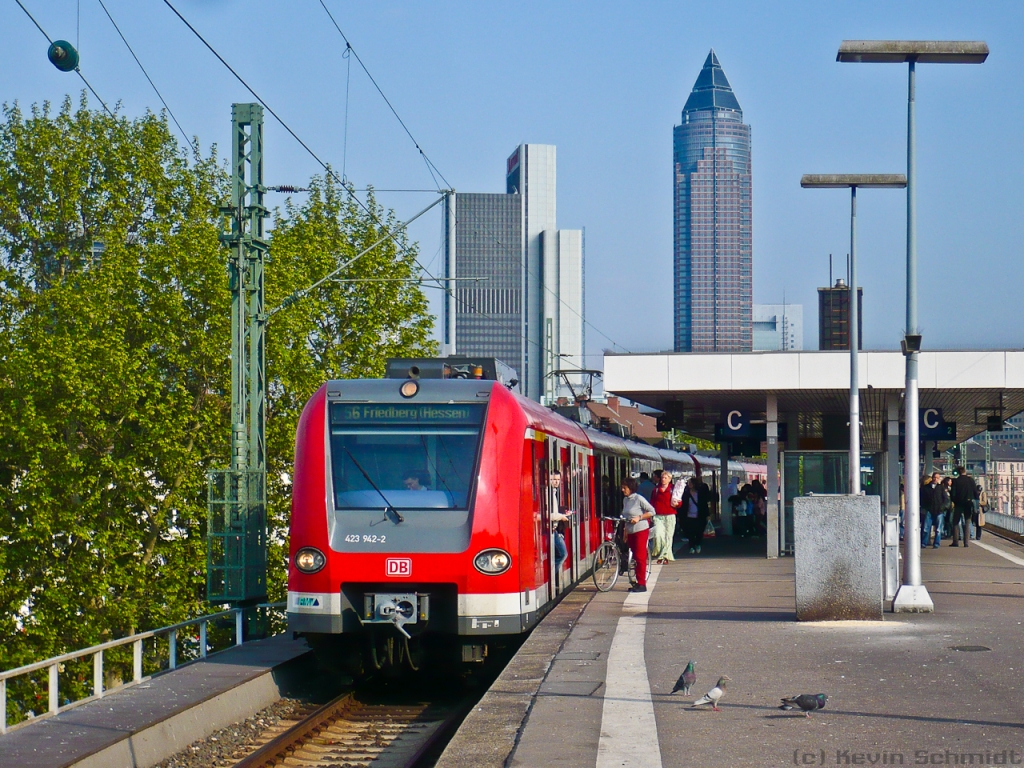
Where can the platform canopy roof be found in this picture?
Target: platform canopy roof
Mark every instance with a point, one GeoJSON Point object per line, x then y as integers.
{"type": "Point", "coordinates": [968, 386]}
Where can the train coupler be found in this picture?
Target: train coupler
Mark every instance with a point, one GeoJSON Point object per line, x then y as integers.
{"type": "Point", "coordinates": [397, 609]}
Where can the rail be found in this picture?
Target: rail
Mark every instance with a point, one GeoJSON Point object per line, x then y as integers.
{"type": "Point", "coordinates": [1006, 522]}
{"type": "Point", "coordinates": [350, 732]}
{"type": "Point", "coordinates": [52, 665]}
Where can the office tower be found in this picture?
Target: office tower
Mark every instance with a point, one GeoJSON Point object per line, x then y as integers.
{"type": "Point", "coordinates": [834, 316]}
{"type": "Point", "coordinates": [562, 251]}
{"type": "Point", "coordinates": [712, 206]}
{"type": "Point", "coordinates": [525, 304]}
{"type": "Point", "coordinates": [778, 327]}
{"type": "Point", "coordinates": [483, 308]}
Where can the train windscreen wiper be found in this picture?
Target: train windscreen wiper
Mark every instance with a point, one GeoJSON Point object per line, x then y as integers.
{"type": "Point", "coordinates": [387, 504]}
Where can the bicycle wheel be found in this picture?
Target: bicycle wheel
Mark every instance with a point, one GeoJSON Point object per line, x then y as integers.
{"type": "Point", "coordinates": [606, 566]}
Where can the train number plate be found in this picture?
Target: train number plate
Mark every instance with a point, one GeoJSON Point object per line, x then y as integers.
{"type": "Point", "coordinates": [398, 566]}
{"type": "Point", "coordinates": [366, 538]}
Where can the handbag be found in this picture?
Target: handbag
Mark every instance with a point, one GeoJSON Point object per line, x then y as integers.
{"type": "Point", "coordinates": [981, 519]}
{"type": "Point", "coordinates": [709, 530]}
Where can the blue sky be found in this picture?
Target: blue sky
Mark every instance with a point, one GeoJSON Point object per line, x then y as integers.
{"type": "Point", "coordinates": [605, 82]}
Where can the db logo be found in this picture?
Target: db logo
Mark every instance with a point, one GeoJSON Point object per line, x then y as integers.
{"type": "Point", "coordinates": [398, 566]}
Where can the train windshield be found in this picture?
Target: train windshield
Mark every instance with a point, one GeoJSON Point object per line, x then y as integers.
{"type": "Point", "coordinates": [405, 456]}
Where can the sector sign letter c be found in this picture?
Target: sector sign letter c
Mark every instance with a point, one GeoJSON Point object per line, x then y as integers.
{"type": "Point", "coordinates": [734, 421]}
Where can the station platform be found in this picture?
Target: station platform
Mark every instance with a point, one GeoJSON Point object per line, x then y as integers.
{"type": "Point", "coordinates": [138, 727]}
{"type": "Point", "coordinates": [592, 688]}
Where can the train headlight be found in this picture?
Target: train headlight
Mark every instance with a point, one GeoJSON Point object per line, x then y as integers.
{"type": "Point", "coordinates": [310, 560]}
{"type": "Point", "coordinates": [492, 561]}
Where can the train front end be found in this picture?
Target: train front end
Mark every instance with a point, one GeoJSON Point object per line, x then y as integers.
{"type": "Point", "coordinates": [404, 528]}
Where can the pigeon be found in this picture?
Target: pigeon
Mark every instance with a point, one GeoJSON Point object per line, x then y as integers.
{"type": "Point", "coordinates": [713, 696]}
{"type": "Point", "coordinates": [808, 702]}
{"type": "Point", "coordinates": [688, 678]}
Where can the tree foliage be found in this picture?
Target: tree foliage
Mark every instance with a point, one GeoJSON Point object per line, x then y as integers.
{"type": "Point", "coordinates": [114, 315]}
{"type": "Point", "coordinates": [114, 369]}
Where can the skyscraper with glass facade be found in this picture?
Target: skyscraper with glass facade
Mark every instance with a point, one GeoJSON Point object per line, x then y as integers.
{"type": "Point", "coordinates": [518, 288]}
{"type": "Point", "coordinates": [713, 264]}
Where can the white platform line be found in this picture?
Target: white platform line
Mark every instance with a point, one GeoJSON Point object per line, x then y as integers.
{"type": "Point", "coordinates": [995, 551]}
{"type": "Point", "coordinates": [629, 732]}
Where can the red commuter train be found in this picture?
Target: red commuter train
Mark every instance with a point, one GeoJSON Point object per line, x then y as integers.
{"type": "Point", "coordinates": [421, 516]}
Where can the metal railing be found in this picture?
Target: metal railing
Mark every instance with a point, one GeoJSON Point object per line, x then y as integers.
{"type": "Point", "coordinates": [1007, 522]}
{"type": "Point", "coordinates": [53, 665]}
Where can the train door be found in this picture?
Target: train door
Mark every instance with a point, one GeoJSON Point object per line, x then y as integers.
{"type": "Point", "coordinates": [567, 506]}
{"type": "Point", "coordinates": [590, 522]}
{"type": "Point", "coordinates": [582, 490]}
{"type": "Point", "coordinates": [555, 504]}
{"type": "Point", "coordinates": [542, 509]}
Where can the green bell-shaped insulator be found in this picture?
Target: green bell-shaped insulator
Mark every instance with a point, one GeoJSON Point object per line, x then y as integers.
{"type": "Point", "coordinates": [63, 56]}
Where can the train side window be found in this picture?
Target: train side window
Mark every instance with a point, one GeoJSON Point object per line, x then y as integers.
{"type": "Point", "coordinates": [567, 497]}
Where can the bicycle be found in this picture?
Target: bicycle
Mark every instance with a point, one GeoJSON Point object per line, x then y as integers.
{"type": "Point", "coordinates": [610, 556]}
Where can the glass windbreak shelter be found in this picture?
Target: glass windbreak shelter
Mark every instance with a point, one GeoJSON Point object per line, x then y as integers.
{"type": "Point", "coordinates": [807, 472]}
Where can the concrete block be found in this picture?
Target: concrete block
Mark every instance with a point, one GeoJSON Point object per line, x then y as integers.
{"type": "Point", "coordinates": [838, 557]}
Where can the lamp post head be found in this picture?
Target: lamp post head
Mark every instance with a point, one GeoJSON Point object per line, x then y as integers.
{"type": "Point", "coordinates": [842, 180]}
{"type": "Point", "coordinates": [923, 51]}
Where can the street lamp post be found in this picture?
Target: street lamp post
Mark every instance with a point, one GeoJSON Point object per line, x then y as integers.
{"type": "Point", "coordinates": [912, 596]}
{"type": "Point", "coordinates": [853, 181]}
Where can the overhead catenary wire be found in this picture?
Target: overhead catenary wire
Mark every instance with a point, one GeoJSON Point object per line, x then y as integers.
{"type": "Point", "coordinates": [327, 169]}
{"type": "Point", "coordinates": [390, 235]}
{"type": "Point", "coordinates": [78, 70]}
{"type": "Point", "coordinates": [349, 188]}
{"type": "Point", "coordinates": [431, 168]}
{"type": "Point", "coordinates": [144, 72]}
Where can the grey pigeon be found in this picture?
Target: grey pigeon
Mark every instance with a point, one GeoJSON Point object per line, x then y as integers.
{"type": "Point", "coordinates": [687, 679]}
{"type": "Point", "coordinates": [713, 696]}
{"type": "Point", "coordinates": [808, 702]}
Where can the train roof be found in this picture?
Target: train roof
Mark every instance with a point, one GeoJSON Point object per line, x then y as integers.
{"type": "Point", "coordinates": [537, 416]}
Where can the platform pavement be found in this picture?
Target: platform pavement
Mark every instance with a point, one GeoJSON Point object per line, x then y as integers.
{"type": "Point", "coordinates": [138, 727]}
{"type": "Point", "coordinates": [898, 692]}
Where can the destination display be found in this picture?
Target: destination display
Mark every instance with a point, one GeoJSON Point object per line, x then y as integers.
{"type": "Point", "coordinates": [434, 414]}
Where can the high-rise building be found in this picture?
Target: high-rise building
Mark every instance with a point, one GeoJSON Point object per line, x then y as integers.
{"type": "Point", "coordinates": [484, 308]}
{"type": "Point", "coordinates": [563, 307]}
{"type": "Point", "coordinates": [834, 316]}
{"type": "Point", "coordinates": [524, 303]}
{"type": "Point", "coordinates": [778, 327]}
{"type": "Point", "coordinates": [713, 264]}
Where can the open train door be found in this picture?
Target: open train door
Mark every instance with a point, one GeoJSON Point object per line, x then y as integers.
{"type": "Point", "coordinates": [542, 499]}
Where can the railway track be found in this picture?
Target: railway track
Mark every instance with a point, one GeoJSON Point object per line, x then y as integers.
{"type": "Point", "coordinates": [1003, 533]}
{"type": "Point", "coordinates": [349, 732]}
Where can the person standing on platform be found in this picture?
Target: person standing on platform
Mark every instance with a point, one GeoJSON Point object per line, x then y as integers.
{"type": "Point", "coordinates": [664, 518]}
{"type": "Point", "coordinates": [931, 509]}
{"type": "Point", "coordinates": [964, 493]}
{"type": "Point", "coordinates": [946, 491]}
{"type": "Point", "coordinates": [760, 507]}
{"type": "Point", "coordinates": [696, 509]}
{"type": "Point", "coordinates": [646, 486]}
{"type": "Point", "coordinates": [637, 511]}
{"type": "Point", "coordinates": [980, 508]}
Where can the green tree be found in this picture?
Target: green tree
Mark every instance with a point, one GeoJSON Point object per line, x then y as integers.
{"type": "Point", "coordinates": [114, 343]}
{"type": "Point", "coordinates": [115, 313]}
{"type": "Point", "coordinates": [341, 330]}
